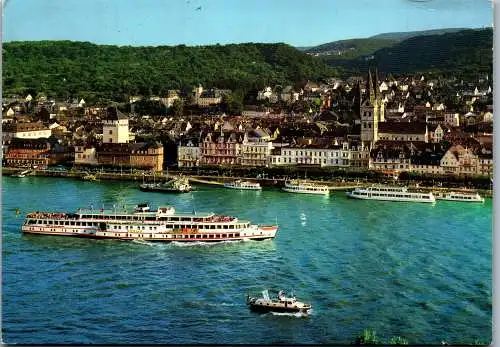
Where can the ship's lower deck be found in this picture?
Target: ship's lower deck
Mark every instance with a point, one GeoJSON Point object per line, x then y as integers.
{"type": "Point", "coordinates": [367, 196]}
{"type": "Point", "coordinates": [260, 234]}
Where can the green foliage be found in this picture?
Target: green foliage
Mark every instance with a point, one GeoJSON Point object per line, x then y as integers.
{"type": "Point", "coordinates": [177, 108]}
{"type": "Point", "coordinates": [465, 53]}
{"type": "Point", "coordinates": [400, 36]}
{"type": "Point", "coordinates": [351, 49]}
{"type": "Point", "coordinates": [368, 337]}
{"type": "Point", "coordinates": [66, 69]}
{"type": "Point", "coordinates": [398, 340]}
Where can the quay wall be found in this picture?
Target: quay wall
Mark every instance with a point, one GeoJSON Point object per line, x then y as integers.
{"type": "Point", "coordinates": [218, 180]}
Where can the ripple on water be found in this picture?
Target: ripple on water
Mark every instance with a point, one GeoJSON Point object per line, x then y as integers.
{"type": "Point", "coordinates": [402, 269]}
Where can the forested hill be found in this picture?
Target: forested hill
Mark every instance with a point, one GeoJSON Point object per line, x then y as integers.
{"type": "Point", "coordinates": [66, 69]}
{"type": "Point", "coordinates": [463, 52]}
{"type": "Point", "coordinates": [466, 53]}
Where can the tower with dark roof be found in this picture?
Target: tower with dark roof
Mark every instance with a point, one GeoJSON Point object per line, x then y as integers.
{"type": "Point", "coordinates": [371, 112]}
{"type": "Point", "coordinates": [115, 127]}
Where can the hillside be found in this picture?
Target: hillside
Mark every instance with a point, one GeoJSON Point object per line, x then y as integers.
{"type": "Point", "coordinates": [400, 36]}
{"type": "Point", "coordinates": [349, 49]}
{"type": "Point", "coordinates": [466, 52]}
{"type": "Point", "coordinates": [354, 48]}
{"type": "Point", "coordinates": [68, 69]}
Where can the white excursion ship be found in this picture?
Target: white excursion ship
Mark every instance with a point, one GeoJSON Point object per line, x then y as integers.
{"type": "Point", "coordinates": [296, 186]}
{"type": "Point", "coordinates": [458, 196]}
{"type": "Point", "coordinates": [243, 185]}
{"type": "Point", "coordinates": [390, 194]}
{"type": "Point", "coordinates": [164, 224]}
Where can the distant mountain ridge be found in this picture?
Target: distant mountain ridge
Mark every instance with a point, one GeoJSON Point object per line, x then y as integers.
{"type": "Point", "coordinates": [353, 48]}
{"type": "Point", "coordinates": [403, 35]}
{"type": "Point", "coordinates": [463, 52]}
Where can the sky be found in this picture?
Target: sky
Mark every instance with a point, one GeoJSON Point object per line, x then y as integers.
{"type": "Point", "coordinates": [205, 22]}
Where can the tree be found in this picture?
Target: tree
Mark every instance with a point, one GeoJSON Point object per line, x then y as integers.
{"type": "Point", "coordinates": [177, 108]}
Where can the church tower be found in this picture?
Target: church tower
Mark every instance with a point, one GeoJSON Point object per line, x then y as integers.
{"type": "Point", "coordinates": [371, 112]}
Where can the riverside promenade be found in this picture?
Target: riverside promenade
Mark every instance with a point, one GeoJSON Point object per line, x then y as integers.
{"type": "Point", "coordinates": [161, 177]}
{"type": "Point", "coordinates": [339, 184]}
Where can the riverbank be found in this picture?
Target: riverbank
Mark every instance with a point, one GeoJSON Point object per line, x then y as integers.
{"type": "Point", "coordinates": [339, 184]}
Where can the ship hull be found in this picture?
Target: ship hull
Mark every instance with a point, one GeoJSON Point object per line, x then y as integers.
{"type": "Point", "coordinates": [243, 188]}
{"type": "Point", "coordinates": [288, 190]}
{"type": "Point", "coordinates": [163, 190]}
{"type": "Point", "coordinates": [354, 196]}
{"type": "Point", "coordinates": [267, 233]}
{"type": "Point", "coordinates": [280, 309]}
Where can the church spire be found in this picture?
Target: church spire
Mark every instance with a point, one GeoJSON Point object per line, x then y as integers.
{"type": "Point", "coordinates": [370, 87]}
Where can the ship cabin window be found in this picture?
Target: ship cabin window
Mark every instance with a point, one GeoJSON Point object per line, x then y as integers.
{"type": "Point", "coordinates": [72, 223]}
{"type": "Point", "coordinates": [205, 236]}
{"type": "Point", "coordinates": [230, 235]}
{"type": "Point", "coordinates": [211, 236]}
{"type": "Point", "coordinates": [237, 235]}
{"type": "Point", "coordinates": [226, 226]}
{"type": "Point", "coordinates": [212, 227]}
{"type": "Point", "coordinates": [224, 235]}
{"type": "Point", "coordinates": [198, 236]}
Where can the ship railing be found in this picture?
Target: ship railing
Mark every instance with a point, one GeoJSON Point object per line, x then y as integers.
{"type": "Point", "coordinates": [46, 215]}
{"type": "Point", "coordinates": [220, 219]}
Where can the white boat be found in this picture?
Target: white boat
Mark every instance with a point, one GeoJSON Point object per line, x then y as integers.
{"type": "Point", "coordinates": [282, 304]}
{"type": "Point", "coordinates": [175, 185]}
{"type": "Point", "coordinates": [22, 174]}
{"type": "Point", "coordinates": [163, 224]}
{"type": "Point", "coordinates": [459, 196]}
{"type": "Point", "coordinates": [296, 186]}
{"type": "Point", "coordinates": [243, 185]}
{"type": "Point", "coordinates": [386, 193]}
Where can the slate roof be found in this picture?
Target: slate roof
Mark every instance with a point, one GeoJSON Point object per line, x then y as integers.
{"type": "Point", "coordinates": [401, 127]}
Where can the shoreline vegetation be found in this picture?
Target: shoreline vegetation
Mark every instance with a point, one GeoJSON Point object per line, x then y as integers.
{"type": "Point", "coordinates": [338, 183]}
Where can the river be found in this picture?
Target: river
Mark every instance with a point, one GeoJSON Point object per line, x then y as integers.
{"type": "Point", "coordinates": [419, 271]}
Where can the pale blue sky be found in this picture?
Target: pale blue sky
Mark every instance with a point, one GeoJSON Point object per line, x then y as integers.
{"type": "Point", "coordinates": [171, 22]}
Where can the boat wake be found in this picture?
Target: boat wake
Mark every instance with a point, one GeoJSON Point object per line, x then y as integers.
{"type": "Point", "coordinates": [142, 242]}
{"type": "Point", "coordinates": [296, 315]}
{"type": "Point", "coordinates": [206, 244]}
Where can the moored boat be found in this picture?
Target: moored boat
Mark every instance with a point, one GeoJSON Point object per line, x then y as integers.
{"type": "Point", "coordinates": [142, 223]}
{"type": "Point", "coordinates": [296, 186]}
{"type": "Point", "coordinates": [175, 185]}
{"type": "Point", "coordinates": [22, 174]}
{"type": "Point", "coordinates": [281, 304]}
{"type": "Point", "coordinates": [89, 177]}
{"type": "Point", "coordinates": [243, 185]}
{"type": "Point", "coordinates": [460, 196]}
{"type": "Point", "coordinates": [387, 193]}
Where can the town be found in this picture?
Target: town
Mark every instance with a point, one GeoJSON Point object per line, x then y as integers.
{"type": "Point", "coordinates": [420, 125]}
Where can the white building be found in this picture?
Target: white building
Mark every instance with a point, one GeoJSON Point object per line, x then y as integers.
{"type": "Point", "coordinates": [115, 127]}
{"type": "Point", "coordinates": [25, 131]}
{"type": "Point", "coordinates": [189, 154]}
{"type": "Point", "coordinates": [255, 148]}
{"type": "Point", "coordinates": [336, 156]}
{"type": "Point", "coordinates": [85, 155]}
{"type": "Point", "coordinates": [452, 119]}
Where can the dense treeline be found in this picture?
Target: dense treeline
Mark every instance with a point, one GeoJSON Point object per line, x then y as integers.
{"type": "Point", "coordinates": [464, 53]}
{"type": "Point", "coordinates": [67, 69]}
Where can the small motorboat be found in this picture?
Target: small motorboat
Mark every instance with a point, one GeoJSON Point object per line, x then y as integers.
{"type": "Point", "coordinates": [281, 304]}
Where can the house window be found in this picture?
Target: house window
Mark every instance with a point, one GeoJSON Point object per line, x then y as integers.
{"type": "Point", "coordinates": [111, 132]}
